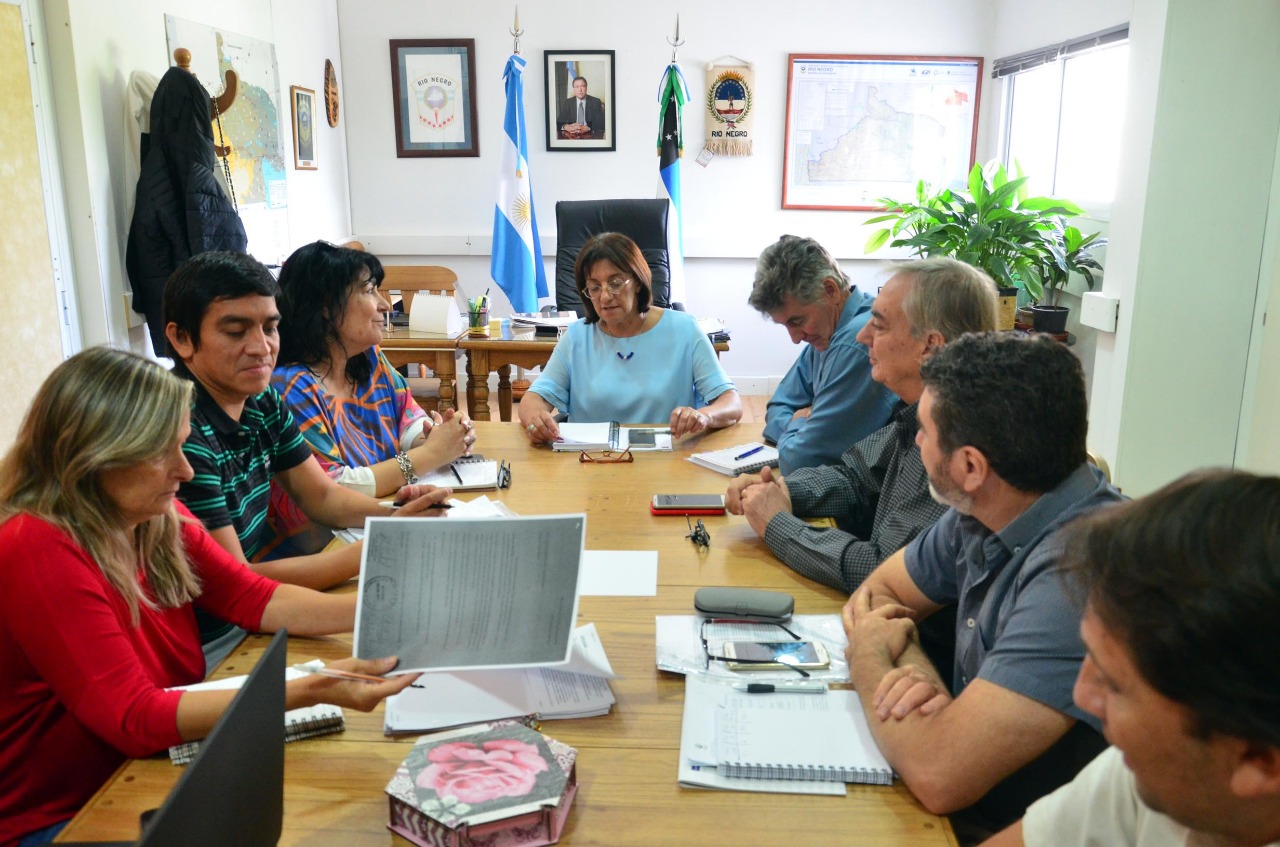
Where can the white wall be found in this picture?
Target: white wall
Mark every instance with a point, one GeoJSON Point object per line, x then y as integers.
{"type": "Point", "coordinates": [95, 46]}
{"type": "Point", "coordinates": [441, 210]}
{"type": "Point", "coordinates": [1188, 234]}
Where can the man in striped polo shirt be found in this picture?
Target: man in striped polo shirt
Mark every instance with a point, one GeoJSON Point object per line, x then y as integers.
{"type": "Point", "coordinates": [221, 323]}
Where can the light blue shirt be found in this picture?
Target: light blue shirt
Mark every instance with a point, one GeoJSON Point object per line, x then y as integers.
{"type": "Point", "coordinates": [846, 404]}
{"type": "Point", "coordinates": [596, 377]}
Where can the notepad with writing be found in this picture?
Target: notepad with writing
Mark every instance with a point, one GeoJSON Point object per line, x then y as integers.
{"type": "Point", "coordinates": [474, 471]}
{"type": "Point", "coordinates": [790, 739]}
{"type": "Point", "coordinates": [310, 722]}
{"type": "Point", "coordinates": [740, 459]}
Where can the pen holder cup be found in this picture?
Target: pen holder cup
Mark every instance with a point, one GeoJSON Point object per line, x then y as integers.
{"type": "Point", "coordinates": [478, 323]}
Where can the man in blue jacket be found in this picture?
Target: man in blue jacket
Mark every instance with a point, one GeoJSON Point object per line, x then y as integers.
{"type": "Point", "coordinates": [828, 401]}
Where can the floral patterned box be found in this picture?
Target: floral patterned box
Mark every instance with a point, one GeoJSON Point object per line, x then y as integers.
{"type": "Point", "coordinates": [493, 785]}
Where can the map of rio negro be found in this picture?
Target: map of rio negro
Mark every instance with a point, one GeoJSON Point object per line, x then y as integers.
{"type": "Point", "coordinates": [864, 129]}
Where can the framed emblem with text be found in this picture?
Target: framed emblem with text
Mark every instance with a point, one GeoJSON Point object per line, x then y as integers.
{"type": "Point", "coordinates": [434, 93]}
{"type": "Point", "coordinates": [580, 107]}
{"type": "Point", "coordinates": [860, 128]}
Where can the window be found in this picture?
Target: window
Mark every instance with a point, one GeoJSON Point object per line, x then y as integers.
{"type": "Point", "coordinates": [1063, 112]}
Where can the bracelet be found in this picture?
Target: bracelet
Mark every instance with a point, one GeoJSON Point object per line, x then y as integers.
{"type": "Point", "coordinates": [406, 468]}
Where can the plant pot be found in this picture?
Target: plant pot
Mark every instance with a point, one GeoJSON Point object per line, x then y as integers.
{"type": "Point", "coordinates": [1008, 307]}
{"type": "Point", "coordinates": [1049, 318]}
{"type": "Point", "coordinates": [1024, 317]}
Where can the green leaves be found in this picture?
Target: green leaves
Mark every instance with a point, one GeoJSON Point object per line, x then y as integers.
{"type": "Point", "coordinates": [1020, 241]}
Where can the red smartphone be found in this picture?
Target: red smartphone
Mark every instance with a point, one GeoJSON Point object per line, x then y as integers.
{"type": "Point", "coordinates": [687, 504]}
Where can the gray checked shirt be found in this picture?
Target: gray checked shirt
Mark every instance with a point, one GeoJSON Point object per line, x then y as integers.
{"type": "Point", "coordinates": [878, 496]}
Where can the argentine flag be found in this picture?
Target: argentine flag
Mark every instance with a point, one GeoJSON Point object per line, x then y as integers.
{"type": "Point", "coordinates": [672, 95]}
{"type": "Point", "coordinates": [517, 253]}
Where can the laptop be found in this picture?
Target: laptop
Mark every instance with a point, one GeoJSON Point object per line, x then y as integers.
{"type": "Point", "coordinates": [233, 792]}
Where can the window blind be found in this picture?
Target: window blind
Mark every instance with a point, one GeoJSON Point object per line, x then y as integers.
{"type": "Point", "coordinates": [1044, 55]}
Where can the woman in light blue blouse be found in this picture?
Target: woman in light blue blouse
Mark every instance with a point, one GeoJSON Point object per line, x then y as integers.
{"type": "Point", "coordinates": [627, 360]}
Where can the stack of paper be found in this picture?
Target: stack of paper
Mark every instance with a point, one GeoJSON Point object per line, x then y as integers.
{"type": "Point", "coordinates": [579, 689]}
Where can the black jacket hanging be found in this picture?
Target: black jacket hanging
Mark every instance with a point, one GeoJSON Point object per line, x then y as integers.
{"type": "Point", "coordinates": [181, 210]}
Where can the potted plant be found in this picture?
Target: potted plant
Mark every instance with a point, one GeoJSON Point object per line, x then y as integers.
{"type": "Point", "coordinates": [995, 227]}
{"type": "Point", "coordinates": [1068, 251]}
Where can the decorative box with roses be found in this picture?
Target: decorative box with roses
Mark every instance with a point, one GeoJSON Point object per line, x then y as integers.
{"type": "Point", "coordinates": [500, 784]}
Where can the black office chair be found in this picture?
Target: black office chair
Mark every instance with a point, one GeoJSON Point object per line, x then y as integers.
{"type": "Point", "coordinates": [643, 221]}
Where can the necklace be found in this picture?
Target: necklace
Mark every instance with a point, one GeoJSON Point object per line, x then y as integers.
{"type": "Point", "coordinates": [616, 342]}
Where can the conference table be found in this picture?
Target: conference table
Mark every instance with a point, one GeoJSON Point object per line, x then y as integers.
{"type": "Point", "coordinates": [627, 760]}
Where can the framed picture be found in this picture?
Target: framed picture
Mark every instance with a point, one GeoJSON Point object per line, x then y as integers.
{"type": "Point", "coordinates": [302, 102]}
{"type": "Point", "coordinates": [860, 128]}
{"type": "Point", "coordinates": [580, 103]}
{"type": "Point", "coordinates": [433, 84]}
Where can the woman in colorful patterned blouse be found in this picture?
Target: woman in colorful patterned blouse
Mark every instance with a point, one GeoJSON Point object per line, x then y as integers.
{"type": "Point", "coordinates": [353, 407]}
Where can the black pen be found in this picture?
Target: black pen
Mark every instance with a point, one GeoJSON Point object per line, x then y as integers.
{"type": "Point", "coordinates": [396, 504]}
{"type": "Point", "coordinates": [456, 475]}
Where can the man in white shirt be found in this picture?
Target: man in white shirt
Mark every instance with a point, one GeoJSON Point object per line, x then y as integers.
{"type": "Point", "coordinates": [1183, 669]}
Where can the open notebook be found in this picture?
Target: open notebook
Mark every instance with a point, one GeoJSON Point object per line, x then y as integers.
{"type": "Point", "coordinates": [609, 435]}
{"type": "Point", "coordinates": [473, 472]}
{"type": "Point", "coordinates": [322, 719]}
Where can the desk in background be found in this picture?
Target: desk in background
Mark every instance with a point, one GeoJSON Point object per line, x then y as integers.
{"type": "Point", "coordinates": [403, 346]}
{"type": "Point", "coordinates": [627, 760]}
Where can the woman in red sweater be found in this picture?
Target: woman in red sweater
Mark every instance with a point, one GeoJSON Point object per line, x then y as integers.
{"type": "Point", "coordinates": [99, 571]}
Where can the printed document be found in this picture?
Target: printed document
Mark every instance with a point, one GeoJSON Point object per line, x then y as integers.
{"type": "Point", "coordinates": [470, 594]}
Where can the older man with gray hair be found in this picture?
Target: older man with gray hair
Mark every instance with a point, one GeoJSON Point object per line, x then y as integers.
{"type": "Point", "coordinates": [828, 400]}
{"type": "Point", "coordinates": [878, 494]}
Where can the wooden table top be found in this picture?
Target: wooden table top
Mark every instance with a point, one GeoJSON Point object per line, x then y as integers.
{"type": "Point", "coordinates": [628, 794]}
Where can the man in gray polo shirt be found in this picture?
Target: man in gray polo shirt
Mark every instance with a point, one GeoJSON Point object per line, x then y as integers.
{"type": "Point", "coordinates": [1002, 421]}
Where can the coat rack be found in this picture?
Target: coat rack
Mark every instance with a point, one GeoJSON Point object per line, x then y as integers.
{"type": "Point", "coordinates": [217, 105]}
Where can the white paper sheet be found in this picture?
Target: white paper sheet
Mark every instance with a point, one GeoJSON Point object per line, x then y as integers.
{"type": "Point", "coordinates": [679, 648]}
{"type": "Point", "coordinates": [619, 573]}
{"type": "Point", "coordinates": [469, 594]}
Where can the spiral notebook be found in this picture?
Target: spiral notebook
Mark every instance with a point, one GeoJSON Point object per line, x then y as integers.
{"type": "Point", "coordinates": [588, 436]}
{"type": "Point", "coordinates": [310, 722]}
{"type": "Point", "coordinates": [787, 738]}
{"type": "Point", "coordinates": [473, 472]}
{"type": "Point", "coordinates": [739, 459]}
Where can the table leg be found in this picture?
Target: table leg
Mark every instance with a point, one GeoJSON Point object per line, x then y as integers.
{"type": "Point", "coordinates": [446, 370]}
{"type": "Point", "coordinates": [478, 384]}
{"type": "Point", "coordinates": [504, 392]}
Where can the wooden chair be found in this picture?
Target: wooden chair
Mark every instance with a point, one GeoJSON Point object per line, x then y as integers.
{"type": "Point", "coordinates": [409, 280]}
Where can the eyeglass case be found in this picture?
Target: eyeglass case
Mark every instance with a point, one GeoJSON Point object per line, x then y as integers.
{"type": "Point", "coordinates": [753, 603]}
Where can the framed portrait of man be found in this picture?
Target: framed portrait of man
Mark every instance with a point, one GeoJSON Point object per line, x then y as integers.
{"type": "Point", "coordinates": [580, 107]}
